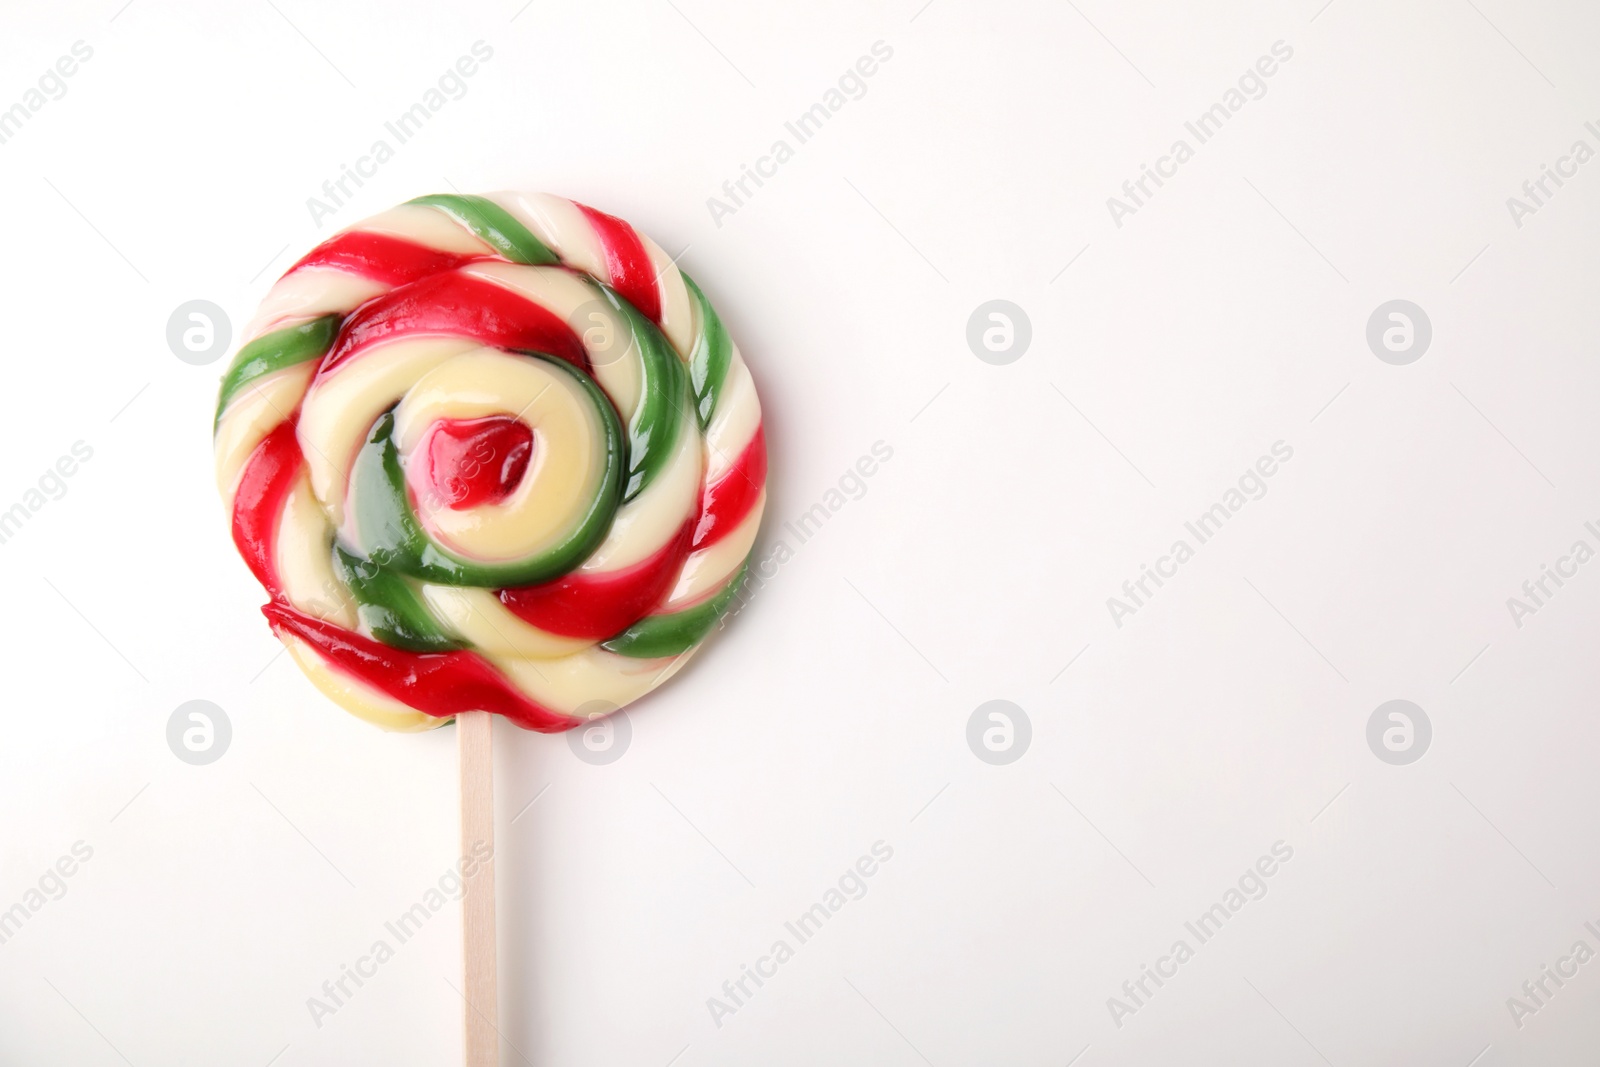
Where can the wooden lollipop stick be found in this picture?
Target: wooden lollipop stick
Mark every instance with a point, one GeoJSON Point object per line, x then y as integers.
{"type": "Point", "coordinates": [475, 735]}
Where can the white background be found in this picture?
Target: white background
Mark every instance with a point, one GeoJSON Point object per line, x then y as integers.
{"type": "Point", "coordinates": [1229, 713]}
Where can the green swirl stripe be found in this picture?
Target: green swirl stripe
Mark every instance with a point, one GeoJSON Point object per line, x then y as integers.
{"type": "Point", "coordinates": [655, 636]}
{"type": "Point", "coordinates": [653, 429]}
{"type": "Point", "coordinates": [274, 351]}
{"type": "Point", "coordinates": [713, 352]}
{"type": "Point", "coordinates": [494, 225]}
{"type": "Point", "coordinates": [390, 607]}
{"type": "Point", "coordinates": [395, 539]}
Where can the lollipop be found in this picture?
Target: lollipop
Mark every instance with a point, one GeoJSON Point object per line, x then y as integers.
{"type": "Point", "coordinates": [490, 455]}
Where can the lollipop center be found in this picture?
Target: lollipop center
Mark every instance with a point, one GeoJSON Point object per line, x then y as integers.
{"type": "Point", "coordinates": [470, 462]}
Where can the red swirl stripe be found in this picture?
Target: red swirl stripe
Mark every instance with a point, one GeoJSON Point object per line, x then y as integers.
{"type": "Point", "coordinates": [440, 684]}
{"type": "Point", "coordinates": [468, 462]}
{"type": "Point", "coordinates": [390, 260]}
{"type": "Point", "coordinates": [263, 490]}
{"type": "Point", "coordinates": [726, 501]}
{"type": "Point", "coordinates": [458, 305]}
{"type": "Point", "coordinates": [629, 264]}
{"type": "Point", "coordinates": [597, 606]}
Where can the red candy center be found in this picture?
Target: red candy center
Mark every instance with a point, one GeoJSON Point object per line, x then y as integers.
{"type": "Point", "coordinates": [469, 462]}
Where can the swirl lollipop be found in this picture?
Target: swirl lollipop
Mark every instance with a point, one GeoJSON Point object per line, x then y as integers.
{"type": "Point", "coordinates": [490, 455]}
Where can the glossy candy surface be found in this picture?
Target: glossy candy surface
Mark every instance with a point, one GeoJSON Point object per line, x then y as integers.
{"type": "Point", "coordinates": [490, 453]}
